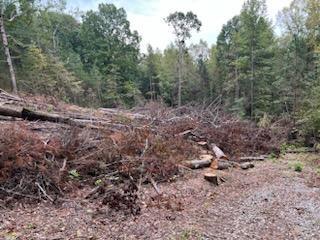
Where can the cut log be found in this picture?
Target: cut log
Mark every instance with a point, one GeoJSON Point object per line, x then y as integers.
{"type": "Point", "coordinates": [246, 166]}
{"type": "Point", "coordinates": [211, 177]}
{"type": "Point", "coordinates": [206, 157]}
{"type": "Point", "coordinates": [197, 164]}
{"type": "Point", "coordinates": [203, 162]}
{"type": "Point", "coordinates": [224, 165]}
{"type": "Point", "coordinates": [214, 164]}
{"type": "Point", "coordinates": [218, 152]}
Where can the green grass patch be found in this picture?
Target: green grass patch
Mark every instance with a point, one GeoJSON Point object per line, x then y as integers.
{"type": "Point", "coordinates": [298, 167]}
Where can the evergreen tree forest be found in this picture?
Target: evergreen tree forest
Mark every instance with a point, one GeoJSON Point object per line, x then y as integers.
{"type": "Point", "coordinates": [257, 68]}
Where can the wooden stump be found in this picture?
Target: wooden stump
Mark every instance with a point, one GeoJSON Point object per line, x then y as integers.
{"type": "Point", "coordinates": [211, 177]}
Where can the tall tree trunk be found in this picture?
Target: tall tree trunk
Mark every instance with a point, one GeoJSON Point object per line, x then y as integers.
{"type": "Point", "coordinates": [180, 74]}
{"type": "Point", "coordinates": [237, 85]}
{"type": "Point", "coordinates": [7, 53]}
{"type": "Point", "coordinates": [252, 83]}
{"type": "Point", "coordinates": [151, 88]}
{"type": "Point", "coordinates": [295, 84]}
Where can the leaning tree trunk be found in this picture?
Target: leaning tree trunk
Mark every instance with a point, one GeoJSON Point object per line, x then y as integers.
{"type": "Point", "coordinates": [8, 56]}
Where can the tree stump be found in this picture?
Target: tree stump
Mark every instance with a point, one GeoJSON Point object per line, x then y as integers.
{"type": "Point", "coordinates": [211, 177]}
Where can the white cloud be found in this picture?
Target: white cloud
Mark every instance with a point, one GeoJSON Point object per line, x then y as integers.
{"type": "Point", "coordinates": [146, 16]}
{"type": "Point", "coordinates": [212, 13]}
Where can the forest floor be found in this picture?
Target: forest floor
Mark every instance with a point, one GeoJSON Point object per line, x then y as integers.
{"type": "Point", "coordinates": [270, 201]}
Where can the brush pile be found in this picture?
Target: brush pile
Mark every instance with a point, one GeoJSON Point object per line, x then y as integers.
{"type": "Point", "coordinates": [44, 158]}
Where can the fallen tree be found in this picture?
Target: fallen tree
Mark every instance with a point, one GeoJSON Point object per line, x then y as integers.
{"type": "Point", "coordinates": [10, 112]}
{"type": "Point", "coordinates": [77, 120]}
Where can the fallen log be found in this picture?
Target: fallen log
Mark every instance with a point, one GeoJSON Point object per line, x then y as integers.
{"type": "Point", "coordinates": [224, 165]}
{"type": "Point", "coordinates": [30, 115]}
{"type": "Point", "coordinates": [246, 166]}
{"type": "Point", "coordinates": [10, 112]}
{"type": "Point", "coordinates": [251, 159]}
{"type": "Point", "coordinates": [197, 164]}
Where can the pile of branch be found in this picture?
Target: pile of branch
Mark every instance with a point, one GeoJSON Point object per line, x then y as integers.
{"type": "Point", "coordinates": [29, 167]}
{"type": "Point", "coordinates": [113, 146]}
{"type": "Point", "coordinates": [8, 98]}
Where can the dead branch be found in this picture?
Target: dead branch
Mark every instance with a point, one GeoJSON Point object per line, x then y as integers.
{"type": "Point", "coordinates": [11, 192]}
{"type": "Point", "coordinates": [154, 185]}
{"type": "Point", "coordinates": [250, 159]}
{"type": "Point", "coordinates": [44, 192]}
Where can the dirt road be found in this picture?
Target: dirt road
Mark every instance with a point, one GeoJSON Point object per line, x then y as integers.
{"type": "Point", "coordinates": [270, 201]}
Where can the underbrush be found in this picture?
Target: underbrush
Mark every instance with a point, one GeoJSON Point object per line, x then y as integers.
{"type": "Point", "coordinates": [29, 166]}
{"type": "Point", "coordinates": [36, 168]}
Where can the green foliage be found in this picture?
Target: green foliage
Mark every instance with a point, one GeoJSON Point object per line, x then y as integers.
{"type": "Point", "coordinates": [97, 62]}
{"type": "Point", "coordinates": [298, 167]}
{"type": "Point", "coordinates": [310, 114]}
{"type": "Point", "coordinates": [74, 174]}
{"type": "Point", "coordinates": [183, 24]}
{"type": "Point", "coordinates": [98, 182]}
{"type": "Point", "coordinates": [108, 44]}
{"type": "Point", "coordinates": [48, 75]}
{"type": "Point", "coordinates": [293, 147]}
{"type": "Point", "coordinates": [244, 61]}
{"type": "Point", "coordinates": [272, 156]}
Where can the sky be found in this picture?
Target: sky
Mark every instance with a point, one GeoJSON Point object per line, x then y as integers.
{"type": "Point", "coordinates": [146, 16]}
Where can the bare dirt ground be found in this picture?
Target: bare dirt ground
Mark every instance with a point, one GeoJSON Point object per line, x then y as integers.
{"type": "Point", "coordinates": [270, 201]}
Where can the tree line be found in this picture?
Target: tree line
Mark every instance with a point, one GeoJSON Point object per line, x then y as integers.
{"type": "Point", "coordinates": [96, 60]}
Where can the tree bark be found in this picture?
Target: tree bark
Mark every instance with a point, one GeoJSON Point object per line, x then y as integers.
{"type": "Point", "coordinates": [237, 85]}
{"type": "Point", "coordinates": [7, 53]}
{"type": "Point", "coordinates": [197, 164]}
{"type": "Point", "coordinates": [180, 74]}
{"type": "Point", "coordinates": [10, 112]}
{"type": "Point", "coordinates": [252, 83]}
